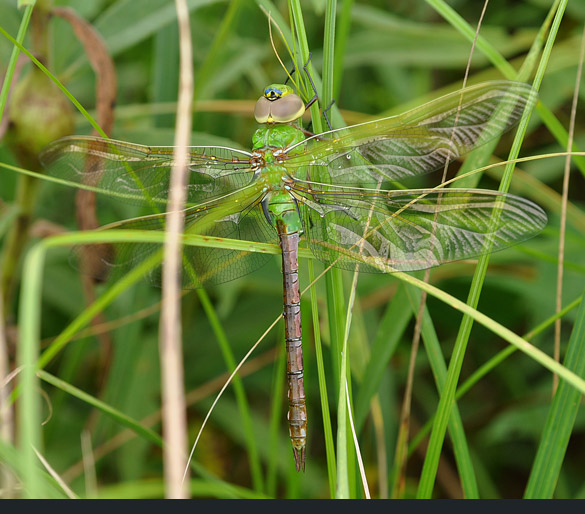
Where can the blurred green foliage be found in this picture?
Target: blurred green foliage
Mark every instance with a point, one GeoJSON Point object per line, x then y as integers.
{"type": "Point", "coordinates": [397, 53]}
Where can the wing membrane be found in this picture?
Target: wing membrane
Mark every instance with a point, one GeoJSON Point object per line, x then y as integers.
{"type": "Point", "coordinates": [141, 174]}
{"type": "Point", "coordinates": [416, 142]}
{"type": "Point", "coordinates": [416, 229]}
{"type": "Point", "coordinates": [201, 265]}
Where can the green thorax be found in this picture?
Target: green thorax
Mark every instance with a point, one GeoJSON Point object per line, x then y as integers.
{"type": "Point", "coordinates": [273, 136]}
{"type": "Point", "coordinates": [281, 205]}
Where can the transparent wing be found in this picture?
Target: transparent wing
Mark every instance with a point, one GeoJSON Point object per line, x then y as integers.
{"type": "Point", "coordinates": [416, 229]}
{"type": "Point", "coordinates": [141, 174]}
{"type": "Point", "coordinates": [416, 142]}
{"type": "Point", "coordinates": [201, 265]}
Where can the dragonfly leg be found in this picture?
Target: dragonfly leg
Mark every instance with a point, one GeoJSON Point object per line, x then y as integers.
{"type": "Point", "coordinates": [315, 95]}
{"type": "Point", "coordinates": [264, 202]}
{"type": "Point", "coordinates": [325, 114]}
{"type": "Point", "coordinates": [308, 133]}
{"type": "Point", "coordinates": [294, 68]}
{"type": "Point", "coordinates": [315, 98]}
{"type": "Point", "coordinates": [296, 206]}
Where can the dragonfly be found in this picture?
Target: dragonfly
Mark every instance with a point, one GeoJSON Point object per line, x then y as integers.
{"type": "Point", "coordinates": [341, 189]}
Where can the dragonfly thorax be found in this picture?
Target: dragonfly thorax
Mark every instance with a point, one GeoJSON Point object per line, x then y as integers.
{"type": "Point", "coordinates": [271, 137]}
{"type": "Point", "coordinates": [279, 206]}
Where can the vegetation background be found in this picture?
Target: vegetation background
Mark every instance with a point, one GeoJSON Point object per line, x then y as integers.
{"type": "Point", "coordinates": [100, 389]}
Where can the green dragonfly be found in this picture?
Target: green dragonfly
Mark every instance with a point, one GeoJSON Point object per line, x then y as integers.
{"type": "Point", "coordinates": [340, 189]}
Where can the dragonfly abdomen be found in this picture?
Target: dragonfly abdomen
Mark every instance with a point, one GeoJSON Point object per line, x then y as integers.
{"type": "Point", "coordinates": [297, 411]}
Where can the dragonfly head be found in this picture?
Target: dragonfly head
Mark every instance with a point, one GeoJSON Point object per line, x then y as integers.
{"type": "Point", "coordinates": [278, 104]}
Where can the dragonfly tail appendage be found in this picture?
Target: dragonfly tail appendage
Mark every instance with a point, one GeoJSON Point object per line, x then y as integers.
{"type": "Point", "coordinates": [297, 410]}
{"type": "Point", "coordinates": [299, 454]}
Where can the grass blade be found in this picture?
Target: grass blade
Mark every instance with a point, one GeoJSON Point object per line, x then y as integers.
{"type": "Point", "coordinates": [447, 398]}
{"type": "Point", "coordinates": [560, 420]}
{"type": "Point", "coordinates": [30, 408]}
{"type": "Point", "coordinates": [328, 432]}
{"type": "Point", "coordinates": [115, 414]}
{"type": "Point", "coordinates": [390, 330]}
{"type": "Point", "coordinates": [13, 58]}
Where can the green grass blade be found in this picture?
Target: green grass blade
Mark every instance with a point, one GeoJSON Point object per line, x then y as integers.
{"type": "Point", "coordinates": [492, 364]}
{"type": "Point", "coordinates": [560, 420]}
{"type": "Point", "coordinates": [389, 333]}
{"type": "Point", "coordinates": [464, 28]}
{"type": "Point", "coordinates": [13, 462]}
{"type": "Point", "coordinates": [456, 431]}
{"type": "Point", "coordinates": [328, 432]}
{"type": "Point", "coordinates": [130, 278]}
{"type": "Point", "coordinates": [30, 321]}
{"type": "Point", "coordinates": [213, 58]}
{"type": "Point", "coordinates": [123, 25]}
{"type": "Point", "coordinates": [29, 408]}
{"type": "Point", "coordinates": [334, 283]}
{"type": "Point", "coordinates": [13, 59]}
{"type": "Point", "coordinates": [328, 53]}
{"type": "Point", "coordinates": [96, 307]}
{"type": "Point", "coordinates": [447, 398]}
{"type": "Point", "coordinates": [341, 40]}
{"type": "Point", "coordinates": [115, 414]}
{"type": "Point", "coordinates": [56, 81]}
{"type": "Point", "coordinates": [165, 71]}
{"type": "Point", "coordinates": [547, 116]}
{"type": "Point", "coordinates": [239, 391]}
{"type": "Point", "coordinates": [276, 415]}
{"type": "Point", "coordinates": [342, 490]}
{"type": "Point", "coordinates": [506, 334]}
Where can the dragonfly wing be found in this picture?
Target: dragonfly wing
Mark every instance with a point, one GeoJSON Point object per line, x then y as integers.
{"type": "Point", "coordinates": [141, 174]}
{"type": "Point", "coordinates": [416, 229]}
{"type": "Point", "coordinates": [201, 265]}
{"type": "Point", "coordinates": [416, 142]}
{"type": "Point", "coordinates": [215, 265]}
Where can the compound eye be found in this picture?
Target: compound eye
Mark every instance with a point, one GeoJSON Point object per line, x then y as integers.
{"type": "Point", "coordinates": [262, 110]}
{"type": "Point", "coordinates": [288, 108]}
{"type": "Point", "coordinates": [271, 93]}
